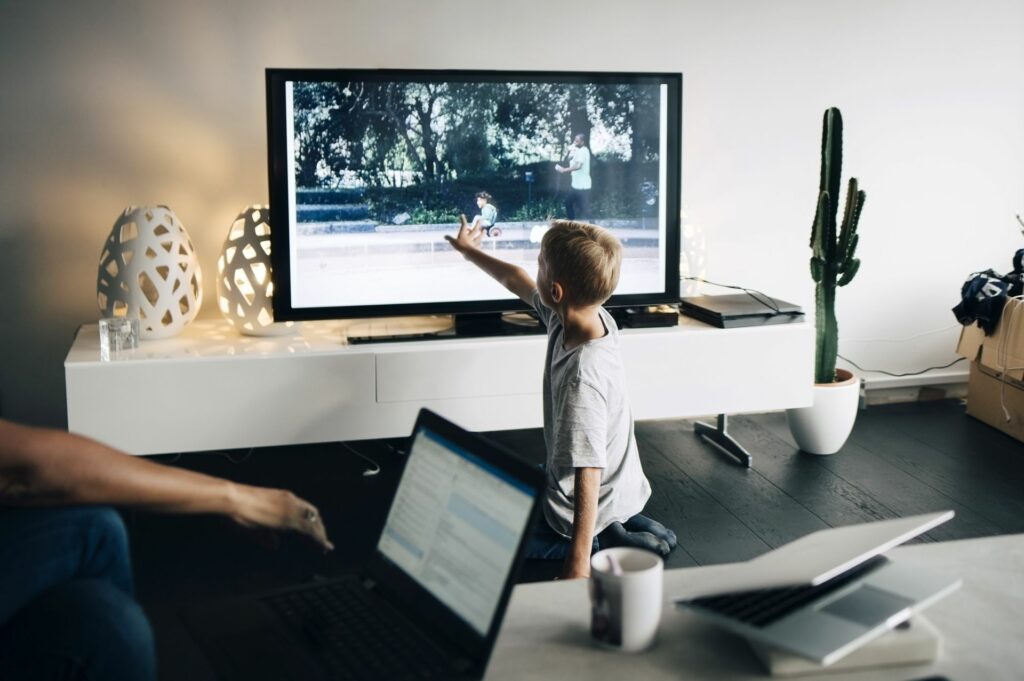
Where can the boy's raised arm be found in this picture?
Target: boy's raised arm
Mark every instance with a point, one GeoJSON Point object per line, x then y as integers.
{"type": "Point", "coordinates": [512, 277]}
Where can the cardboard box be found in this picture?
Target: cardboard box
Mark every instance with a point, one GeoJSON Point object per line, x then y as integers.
{"type": "Point", "coordinates": [995, 386]}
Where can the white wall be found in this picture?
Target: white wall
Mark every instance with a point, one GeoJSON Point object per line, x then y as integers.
{"type": "Point", "coordinates": [110, 103]}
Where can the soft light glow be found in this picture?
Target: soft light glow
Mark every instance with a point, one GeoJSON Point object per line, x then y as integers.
{"type": "Point", "coordinates": [245, 287]}
{"type": "Point", "coordinates": [693, 258]}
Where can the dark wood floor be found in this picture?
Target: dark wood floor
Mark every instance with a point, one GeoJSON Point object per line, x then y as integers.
{"type": "Point", "coordinates": [900, 460]}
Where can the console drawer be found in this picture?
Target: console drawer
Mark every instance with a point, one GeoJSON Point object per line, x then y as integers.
{"type": "Point", "coordinates": [485, 368]}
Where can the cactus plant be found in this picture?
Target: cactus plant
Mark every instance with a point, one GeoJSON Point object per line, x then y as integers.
{"type": "Point", "coordinates": [832, 263]}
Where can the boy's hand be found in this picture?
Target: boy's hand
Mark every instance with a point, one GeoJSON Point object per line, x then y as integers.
{"type": "Point", "coordinates": [512, 277]}
{"type": "Point", "coordinates": [468, 237]}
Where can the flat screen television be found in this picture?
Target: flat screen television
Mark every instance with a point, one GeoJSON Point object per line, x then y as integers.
{"type": "Point", "coordinates": [369, 169]}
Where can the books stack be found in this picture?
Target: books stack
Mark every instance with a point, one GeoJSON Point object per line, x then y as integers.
{"type": "Point", "coordinates": [914, 642]}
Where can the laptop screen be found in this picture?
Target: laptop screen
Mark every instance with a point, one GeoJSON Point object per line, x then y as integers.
{"type": "Point", "coordinates": [454, 526]}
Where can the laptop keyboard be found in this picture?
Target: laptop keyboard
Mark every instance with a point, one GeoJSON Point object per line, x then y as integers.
{"type": "Point", "coordinates": [359, 637]}
{"type": "Point", "coordinates": [764, 606]}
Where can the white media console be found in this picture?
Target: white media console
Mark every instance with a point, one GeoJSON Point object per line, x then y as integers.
{"type": "Point", "coordinates": [211, 389]}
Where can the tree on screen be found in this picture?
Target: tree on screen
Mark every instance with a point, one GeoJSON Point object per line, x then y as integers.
{"type": "Point", "coordinates": [391, 133]}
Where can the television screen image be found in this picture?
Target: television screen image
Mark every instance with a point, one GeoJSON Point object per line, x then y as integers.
{"type": "Point", "coordinates": [371, 169]}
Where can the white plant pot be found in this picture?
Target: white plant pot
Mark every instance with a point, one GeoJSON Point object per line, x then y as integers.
{"type": "Point", "coordinates": [824, 427]}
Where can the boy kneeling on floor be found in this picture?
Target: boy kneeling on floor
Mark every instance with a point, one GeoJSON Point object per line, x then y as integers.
{"type": "Point", "coordinates": [596, 486]}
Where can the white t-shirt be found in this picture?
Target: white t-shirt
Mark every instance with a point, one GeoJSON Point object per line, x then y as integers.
{"type": "Point", "coordinates": [588, 424]}
{"type": "Point", "coordinates": [488, 214]}
{"type": "Point", "coordinates": [581, 177]}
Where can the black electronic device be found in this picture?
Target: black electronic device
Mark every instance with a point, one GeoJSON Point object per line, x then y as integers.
{"type": "Point", "coordinates": [465, 326]}
{"type": "Point", "coordinates": [366, 180]}
{"type": "Point", "coordinates": [431, 601]}
{"type": "Point", "coordinates": [644, 317]}
{"type": "Point", "coordinates": [740, 309]}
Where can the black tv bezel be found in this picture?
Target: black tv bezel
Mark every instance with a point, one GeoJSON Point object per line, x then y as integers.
{"type": "Point", "coordinates": [279, 199]}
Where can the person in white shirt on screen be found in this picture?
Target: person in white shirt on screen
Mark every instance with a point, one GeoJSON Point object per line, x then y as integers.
{"type": "Point", "coordinates": [577, 202]}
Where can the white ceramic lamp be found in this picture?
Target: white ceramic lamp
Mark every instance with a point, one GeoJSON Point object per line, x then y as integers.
{"type": "Point", "coordinates": [149, 270]}
{"type": "Point", "coordinates": [245, 287]}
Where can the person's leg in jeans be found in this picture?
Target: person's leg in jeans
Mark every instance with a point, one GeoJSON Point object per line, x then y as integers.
{"type": "Point", "coordinates": [641, 523]}
{"type": "Point", "coordinates": [640, 532]}
{"type": "Point", "coordinates": [546, 544]}
{"type": "Point", "coordinates": [583, 201]}
{"type": "Point", "coordinates": [571, 204]}
{"type": "Point", "coordinates": [82, 629]}
{"type": "Point", "coordinates": [44, 551]}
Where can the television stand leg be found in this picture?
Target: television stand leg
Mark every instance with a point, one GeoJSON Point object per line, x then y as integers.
{"type": "Point", "coordinates": [719, 437]}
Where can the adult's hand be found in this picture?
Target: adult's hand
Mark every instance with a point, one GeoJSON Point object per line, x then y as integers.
{"type": "Point", "coordinates": [279, 509]}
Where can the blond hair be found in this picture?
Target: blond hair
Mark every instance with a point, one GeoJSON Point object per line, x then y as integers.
{"type": "Point", "coordinates": [585, 259]}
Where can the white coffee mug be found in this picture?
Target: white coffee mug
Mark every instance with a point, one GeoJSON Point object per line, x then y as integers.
{"type": "Point", "coordinates": [625, 598]}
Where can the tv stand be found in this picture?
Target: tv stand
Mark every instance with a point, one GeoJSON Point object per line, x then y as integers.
{"type": "Point", "coordinates": [210, 388]}
{"type": "Point", "coordinates": [718, 436]}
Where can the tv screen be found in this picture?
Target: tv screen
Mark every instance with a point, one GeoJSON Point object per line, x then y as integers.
{"type": "Point", "coordinates": [369, 169]}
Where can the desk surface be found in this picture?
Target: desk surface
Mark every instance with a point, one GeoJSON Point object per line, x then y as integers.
{"type": "Point", "coordinates": [545, 635]}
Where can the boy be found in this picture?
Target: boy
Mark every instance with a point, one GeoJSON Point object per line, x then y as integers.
{"type": "Point", "coordinates": [595, 484]}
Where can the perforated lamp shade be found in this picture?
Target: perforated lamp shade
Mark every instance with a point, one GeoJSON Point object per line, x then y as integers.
{"type": "Point", "coordinates": [149, 269]}
{"type": "Point", "coordinates": [245, 287]}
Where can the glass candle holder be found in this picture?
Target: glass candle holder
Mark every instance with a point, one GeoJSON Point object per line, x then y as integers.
{"type": "Point", "coordinates": [117, 335]}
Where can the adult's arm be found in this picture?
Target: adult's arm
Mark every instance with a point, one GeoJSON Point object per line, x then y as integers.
{"type": "Point", "coordinates": [43, 467]}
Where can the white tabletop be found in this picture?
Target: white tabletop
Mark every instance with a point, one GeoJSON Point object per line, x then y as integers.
{"type": "Point", "coordinates": [545, 634]}
{"type": "Point", "coordinates": [216, 338]}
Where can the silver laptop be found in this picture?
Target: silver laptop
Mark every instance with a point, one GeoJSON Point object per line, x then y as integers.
{"type": "Point", "coordinates": [823, 595]}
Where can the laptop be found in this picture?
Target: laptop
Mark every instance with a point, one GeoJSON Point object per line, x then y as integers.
{"type": "Point", "coordinates": [823, 595]}
{"type": "Point", "coordinates": [430, 601]}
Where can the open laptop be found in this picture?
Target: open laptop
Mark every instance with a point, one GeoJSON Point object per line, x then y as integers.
{"type": "Point", "coordinates": [431, 600]}
{"type": "Point", "coordinates": [823, 595]}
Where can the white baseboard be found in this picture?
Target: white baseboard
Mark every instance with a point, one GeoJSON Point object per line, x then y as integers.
{"type": "Point", "coordinates": [875, 380]}
{"type": "Point", "coordinates": [935, 385]}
